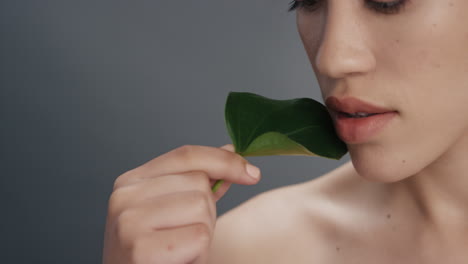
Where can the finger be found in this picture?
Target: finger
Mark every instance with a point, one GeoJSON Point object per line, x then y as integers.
{"type": "Point", "coordinates": [169, 211]}
{"type": "Point", "coordinates": [172, 245]}
{"type": "Point", "coordinates": [216, 162]}
{"type": "Point", "coordinates": [132, 195]}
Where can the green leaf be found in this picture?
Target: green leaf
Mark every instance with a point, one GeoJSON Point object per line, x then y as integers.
{"type": "Point", "coordinates": [259, 126]}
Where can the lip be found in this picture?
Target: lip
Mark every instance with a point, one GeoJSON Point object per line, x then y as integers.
{"type": "Point", "coordinates": [358, 130]}
{"type": "Point", "coordinates": [353, 105]}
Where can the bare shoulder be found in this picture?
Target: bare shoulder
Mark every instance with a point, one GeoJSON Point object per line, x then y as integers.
{"type": "Point", "coordinates": [293, 224]}
{"type": "Point", "coordinates": [257, 230]}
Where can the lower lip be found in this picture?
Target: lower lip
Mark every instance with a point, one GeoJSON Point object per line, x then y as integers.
{"type": "Point", "coordinates": [359, 130]}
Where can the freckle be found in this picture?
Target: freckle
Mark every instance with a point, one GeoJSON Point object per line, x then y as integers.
{"type": "Point", "coordinates": [404, 161]}
{"type": "Point", "coordinates": [451, 4]}
{"type": "Point", "coordinates": [337, 248]}
{"type": "Point", "coordinates": [434, 25]}
{"type": "Point", "coordinates": [389, 216]}
{"type": "Point", "coordinates": [397, 41]}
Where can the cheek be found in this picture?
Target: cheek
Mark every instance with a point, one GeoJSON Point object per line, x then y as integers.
{"type": "Point", "coordinates": [310, 28]}
{"type": "Point", "coordinates": [432, 93]}
{"type": "Point", "coordinates": [436, 91]}
{"type": "Point", "coordinates": [425, 71]}
{"type": "Point", "coordinates": [311, 42]}
{"type": "Point", "coordinates": [432, 118]}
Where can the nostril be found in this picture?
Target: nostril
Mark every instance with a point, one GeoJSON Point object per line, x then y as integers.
{"type": "Point", "coordinates": [344, 61]}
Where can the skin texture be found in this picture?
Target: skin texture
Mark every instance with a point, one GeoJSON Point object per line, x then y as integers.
{"type": "Point", "coordinates": [415, 62]}
{"type": "Point", "coordinates": [402, 198]}
{"type": "Point", "coordinates": [164, 210]}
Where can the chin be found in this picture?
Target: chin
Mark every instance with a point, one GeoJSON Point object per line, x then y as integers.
{"type": "Point", "coordinates": [378, 166]}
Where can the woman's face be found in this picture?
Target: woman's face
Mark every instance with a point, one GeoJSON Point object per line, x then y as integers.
{"type": "Point", "coordinates": [413, 60]}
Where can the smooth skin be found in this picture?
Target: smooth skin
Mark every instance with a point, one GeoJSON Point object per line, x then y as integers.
{"type": "Point", "coordinates": [403, 197]}
{"type": "Point", "coordinates": [164, 211]}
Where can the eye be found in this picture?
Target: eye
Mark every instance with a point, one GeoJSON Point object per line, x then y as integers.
{"type": "Point", "coordinates": [381, 6]}
{"type": "Point", "coordinates": [387, 8]}
{"type": "Point", "coordinates": [309, 5]}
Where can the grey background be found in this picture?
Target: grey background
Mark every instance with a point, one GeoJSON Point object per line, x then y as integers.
{"type": "Point", "coordinates": [90, 89]}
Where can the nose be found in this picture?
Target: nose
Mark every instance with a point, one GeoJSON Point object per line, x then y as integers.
{"type": "Point", "coordinates": [344, 48]}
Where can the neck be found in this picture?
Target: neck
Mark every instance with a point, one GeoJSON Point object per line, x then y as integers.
{"type": "Point", "coordinates": [440, 190]}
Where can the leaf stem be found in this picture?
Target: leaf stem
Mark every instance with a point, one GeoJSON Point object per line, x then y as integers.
{"type": "Point", "coordinates": [216, 186]}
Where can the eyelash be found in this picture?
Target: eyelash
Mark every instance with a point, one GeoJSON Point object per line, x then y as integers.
{"type": "Point", "coordinates": [386, 8]}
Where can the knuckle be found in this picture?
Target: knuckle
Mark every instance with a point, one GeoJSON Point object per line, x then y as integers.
{"type": "Point", "coordinates": [120, 180]}
{"type": "Point", "coordinates": [125, 226]}
{"type": "Point", "coordinates": [115, 202]}
{"type": "Point", "coordinates": [185, 151]}
{"type": "Point", "coordinates": [118, 200]}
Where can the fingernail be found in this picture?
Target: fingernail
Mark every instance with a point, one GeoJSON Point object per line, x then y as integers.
{"type": "Point", "coordinates": [228, 147]}
{"type": "Point", "coordinates": [253, 171]}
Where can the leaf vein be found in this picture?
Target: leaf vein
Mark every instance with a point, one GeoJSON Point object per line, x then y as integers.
{"type": "Point", "coordinates": [300, 130]}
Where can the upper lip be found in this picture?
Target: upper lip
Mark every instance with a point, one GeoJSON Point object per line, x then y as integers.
{"type": "Point", "coordinates": [352, 105]}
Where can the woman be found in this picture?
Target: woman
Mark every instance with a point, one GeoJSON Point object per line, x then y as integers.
{"type": "Point", "coordinates": [402, 198]}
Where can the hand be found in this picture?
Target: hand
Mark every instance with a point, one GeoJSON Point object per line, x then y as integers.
{"type": "Point", "coordinates": [164, 211]}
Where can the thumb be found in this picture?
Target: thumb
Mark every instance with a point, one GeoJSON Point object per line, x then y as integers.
{"type": "Point", "coordinates": [224, 187]}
